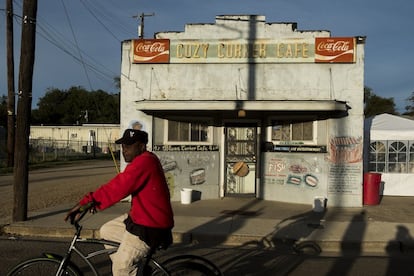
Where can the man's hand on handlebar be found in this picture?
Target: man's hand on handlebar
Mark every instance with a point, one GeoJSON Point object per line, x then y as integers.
{"type": "Point", "coordinates": [78, 211]}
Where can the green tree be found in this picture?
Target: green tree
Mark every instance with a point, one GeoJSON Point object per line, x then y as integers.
{"type": "Point", "coordinates": [76, 106]}
{"type": "Point", "coordinates": [375, 105]}
{"type": "Point", "coordinates": [106, 107]}
{"type": "Point", "coordinates": [50, 107]}
{"type": "Point", "coordinates": [117, 82]}
{"type": "Point", "coordinates": [409, 108]}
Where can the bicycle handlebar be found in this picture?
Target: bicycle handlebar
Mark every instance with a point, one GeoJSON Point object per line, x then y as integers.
{"type": "Point", "coordinates": [76, 217]}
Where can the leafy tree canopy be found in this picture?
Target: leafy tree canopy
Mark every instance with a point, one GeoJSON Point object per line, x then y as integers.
{"type": "Point", "coordinates": [76, 106]}
{"type": "Point", "coordinates": [375, 105]}
{"type": "Point", "coordinates": [409, 108]}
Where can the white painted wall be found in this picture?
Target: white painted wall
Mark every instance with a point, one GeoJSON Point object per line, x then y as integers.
{"type": "Point", "coordinates": [270, 81]}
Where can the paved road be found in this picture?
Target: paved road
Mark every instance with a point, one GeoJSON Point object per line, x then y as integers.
{"type": "Point", "coordinates": [235, 260]}
{"type": "Point", "coordinates": [55, 186]}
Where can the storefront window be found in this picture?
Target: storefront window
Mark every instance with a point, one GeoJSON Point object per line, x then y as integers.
{"type": "Point", "coordinates": [183, 132]}
{"type": "Point", "coordinates": [293, 132]}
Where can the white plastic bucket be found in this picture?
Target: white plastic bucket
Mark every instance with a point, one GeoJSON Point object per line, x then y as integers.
{"type": "Point", "coordinates": [319, 204]}
{"type": "Point", "coordinates": [186, 195]}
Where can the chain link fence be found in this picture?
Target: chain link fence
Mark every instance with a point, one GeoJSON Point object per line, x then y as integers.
{"type": "Point", "coordinates": [67, 143]}
{"type": "Point", "coordinates": [44, 150]}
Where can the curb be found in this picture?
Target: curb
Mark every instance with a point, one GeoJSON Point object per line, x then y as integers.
{"type": "Point", "coordinates": [326, 246]}
{"type": "Point", "coordinates": [379, 230]}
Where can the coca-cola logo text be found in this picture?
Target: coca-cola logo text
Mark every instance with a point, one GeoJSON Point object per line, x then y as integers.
{"type": "Point", "coordinates": [336, 46]}
{"type": "Point", "coordinates": [156, 47]}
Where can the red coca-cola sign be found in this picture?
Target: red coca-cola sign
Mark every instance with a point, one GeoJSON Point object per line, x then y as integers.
{"type": "Point", "coordinates": [335, 49]}
{"type": "Point", "coordinates": [151, 51]}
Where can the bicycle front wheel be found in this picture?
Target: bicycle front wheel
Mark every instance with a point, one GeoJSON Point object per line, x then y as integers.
{"type": "Point", "coordinates": [190, 265]}
{"type": "Point", "coordinates": [43, 267]}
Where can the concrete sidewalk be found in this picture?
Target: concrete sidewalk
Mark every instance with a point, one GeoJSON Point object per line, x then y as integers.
{"type": "Point", "coordinates": [379, 229]}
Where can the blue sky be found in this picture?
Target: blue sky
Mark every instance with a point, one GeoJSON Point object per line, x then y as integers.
{"type": "Point", "coordinates": [79, 41]}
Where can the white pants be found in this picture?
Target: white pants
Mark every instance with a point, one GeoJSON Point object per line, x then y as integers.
{"type": "Point", "coordinates": [131, 250]}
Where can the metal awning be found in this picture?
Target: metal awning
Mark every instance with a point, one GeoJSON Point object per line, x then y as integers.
{"type": "Point", "coordinates": [234, 105]}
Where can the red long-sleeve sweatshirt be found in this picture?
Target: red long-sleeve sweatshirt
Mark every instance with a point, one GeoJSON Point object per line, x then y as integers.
{"type": "Point", "coordinates": [145, 181]}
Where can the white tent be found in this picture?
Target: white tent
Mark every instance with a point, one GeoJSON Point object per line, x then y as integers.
{"type": "Point", "coordinates": [387, 127]}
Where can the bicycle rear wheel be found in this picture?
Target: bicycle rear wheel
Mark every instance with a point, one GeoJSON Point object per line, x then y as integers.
{"type": "Point", "coordinates": [190, 265]}
{"type": "Point", "coordinates": [43, 267]}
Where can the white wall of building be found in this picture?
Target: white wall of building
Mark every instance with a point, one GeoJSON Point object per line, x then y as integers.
{"type": "Point", "coordinates": [342, 175]}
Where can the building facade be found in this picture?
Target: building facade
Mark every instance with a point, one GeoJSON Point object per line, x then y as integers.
{"type": "Point", "coordinates": [242, 107]}
{"type": "Point", "coordinates": [76, 138]}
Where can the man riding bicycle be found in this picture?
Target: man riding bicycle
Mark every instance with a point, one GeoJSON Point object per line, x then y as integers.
{"type": "Point", "coordinates": [149, 221]}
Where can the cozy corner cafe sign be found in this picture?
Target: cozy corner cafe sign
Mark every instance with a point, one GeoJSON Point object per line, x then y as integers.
{"type": "Point", "coordinates": [313, 50]}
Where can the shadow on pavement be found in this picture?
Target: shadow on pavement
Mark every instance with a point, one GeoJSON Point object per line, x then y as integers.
{"type": "Point", "coordinates": [281, 250]}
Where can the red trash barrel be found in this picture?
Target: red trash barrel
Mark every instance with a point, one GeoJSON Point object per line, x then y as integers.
{"type": "Point", "coordinates": [372, 182]}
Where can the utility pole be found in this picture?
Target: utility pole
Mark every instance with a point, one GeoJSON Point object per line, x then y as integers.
{"type": "Point", "coordinates": [141, 26]}
{"type": "Point", "coordinates": [21, 157]}
{"type": "Point", "coordinates": [11, 119]}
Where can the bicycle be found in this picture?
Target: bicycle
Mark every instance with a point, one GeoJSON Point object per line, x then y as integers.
{"type": "Point", "coordinates": [53, 264]}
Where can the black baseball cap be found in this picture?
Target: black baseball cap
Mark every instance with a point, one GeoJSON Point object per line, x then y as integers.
{"type": "Point", "coordinates": [132, 136]}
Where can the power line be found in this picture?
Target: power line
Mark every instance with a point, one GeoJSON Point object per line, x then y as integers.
{"type": "Point", "coordinates": [77, 45]}
{"type": "Point", "coordinates": [109, 18]}
{"type": "Point", "coordinates": [100, 21]}
{"type": "Point", "coordinates": [56, 38]}
{"type": "Point", "coordinates": [64, 45]}
{"type": "Point", "coordinates": [72, 49]}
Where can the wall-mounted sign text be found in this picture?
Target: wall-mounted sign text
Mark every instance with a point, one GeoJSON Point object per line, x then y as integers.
{"type": "Point", "coordinates": [335, 49]}
{"type": "Point", "coordinates": [242, 51]}
{"type": "Point", "coordinates": [185, 148]}
{"type": "Point", "coordinates": [300, 50]}
{"type": "Point", "coordinates": [300, 148]}
{"type": "Point", "coordinates": [150, 51]}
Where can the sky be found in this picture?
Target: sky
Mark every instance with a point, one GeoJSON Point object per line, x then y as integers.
{"type": "Point", "coordinates": [78, 42]}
